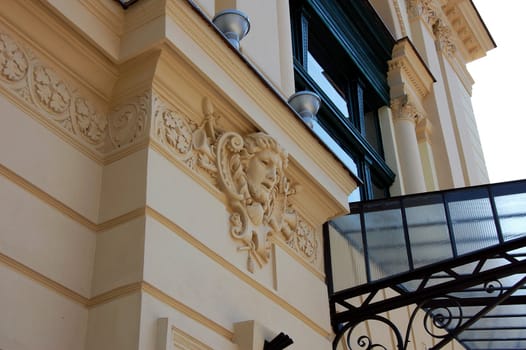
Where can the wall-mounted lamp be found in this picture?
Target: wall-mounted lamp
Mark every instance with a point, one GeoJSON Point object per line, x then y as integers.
{"type": "Point", "coordinates": [233, 24]}
{"type": "Point", "coordinates": [306, 104]}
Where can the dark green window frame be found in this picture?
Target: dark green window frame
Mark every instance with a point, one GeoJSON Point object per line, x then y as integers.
{"type": "Point", "coordinates": [350, 42]}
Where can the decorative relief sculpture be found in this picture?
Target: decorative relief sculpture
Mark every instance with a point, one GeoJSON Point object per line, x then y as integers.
{"type": "Point", "coordinates": [444, 37]}
{"type": "Point", "coordinates": [185, 140]}
{"type": "Point", "coordinates": [404, 109]}
{"type": "Point", "coordinates": [427, 9]}
{"type": "Point", "coordinates": [42, 89]}
{"type": "Point", "coordinates": [252, 174]}
{"type": "Point", "coordinates": [250, 170]}
{"type": "Point", "coordinates": [128, 122]}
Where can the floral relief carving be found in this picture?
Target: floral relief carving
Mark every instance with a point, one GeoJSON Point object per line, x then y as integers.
{"type": "Point", "coordinates": [184, 139]}
{"type": "Point", "coordinates": [52, 93]}
{"type": "Point", "coordinates": [306, 241]}
{"type": "Point", "coordinates": [128, 122]}
{"type": "Point", "coordinates": [90, 124]}
{"type": "Point", "coordinates": [251, 171]}
{"type": "Point", "coordinates": [13, 62]}
{"type": "Point", "coordinates": [404, 109]}
{"type": "Point", "coordinates": [47, 93]}
{"type": "Point", "coordinates": [444, 37]}
{"type": "Point", "coordinates": [425, 9]}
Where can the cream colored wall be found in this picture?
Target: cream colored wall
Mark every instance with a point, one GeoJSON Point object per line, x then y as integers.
{"type": "Point", "coordinates": [102, 238]}
{"type": "Point", "coordinates": [474, 167]}
{"type": "Point", "coordinates": [113, 233]}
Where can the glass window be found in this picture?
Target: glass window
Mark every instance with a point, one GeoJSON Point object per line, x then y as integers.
{"type": "Point", "coordinates": [348, 119]}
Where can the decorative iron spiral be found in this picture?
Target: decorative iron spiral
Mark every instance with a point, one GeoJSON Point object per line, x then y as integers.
{"type": "Point", "coordinates": [492, 286]}
{"type": "Point", "coordinates": [365, 342]}
{"type": "Point", "coordinates": [442, 317]}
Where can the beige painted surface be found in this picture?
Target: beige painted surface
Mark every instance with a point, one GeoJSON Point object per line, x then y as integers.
{"type": "Point", "coordinates": [153, 309]}
{"type": "Point", "coordinates": [31, 151]}
{"type": "Point", "coordinates": [119, 257]}
{"type": "Point", "coordinates": [44, 239]}
{"type": "Point", "coordinates": [34, 317]}
{"type": "Point", "coordinates": [115, 325]}
{"type": "Point", "coordinates": [123, 186]}
{"type": "Point", "coordinates": [100, 241]}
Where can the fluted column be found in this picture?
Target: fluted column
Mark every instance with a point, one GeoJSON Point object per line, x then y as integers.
{"type": "Point", "coordinates": [405, 116]}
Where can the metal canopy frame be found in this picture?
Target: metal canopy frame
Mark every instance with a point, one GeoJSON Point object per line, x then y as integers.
{"type": "Point", "coordinates": [435, 297]}
{"type": "Point", "coordinates": [477, 298]}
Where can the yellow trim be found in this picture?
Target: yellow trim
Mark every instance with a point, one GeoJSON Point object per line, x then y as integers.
{"type": "Point", "coordinates": [64, 209]}
{"type": "Point", "coordinates": [157, 293]}
{"type": "Point", "coordinates": [113, 294]}
{"type": "Point", "coordinates": [46, 198]}
{"type": "Point", "coordinates": [120, 219]}
{"type": "Point", "coordinates": [126, 217]}
{"type": "Point", "coordinates": [237, 272]}
{"type": "Point", "coordinates": [298, 258]}
{"type": "Point", "coordinates": [193, 314]}
{"type": "Point", "coordinates": [161, 150]}
{"type": "Point", "coordinates": [43, 280]}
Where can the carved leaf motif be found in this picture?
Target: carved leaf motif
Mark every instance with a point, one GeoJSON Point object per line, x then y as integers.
{"type": "Point", "coordinates": [307, 241]}
{"type": "Point", "coordinates": [51, 91]}
{"type": "Point", "coordinates": [13, 63]}
{"type": "Point", "coordinates": [128, 122]}
{"type": "Point", "coordinates": [90, 124]}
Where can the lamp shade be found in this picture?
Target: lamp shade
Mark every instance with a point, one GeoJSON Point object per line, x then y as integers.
{"type": "Point", "coordinates": [306, 104]}
{"type": "Point", "coordinates": [234, 25]}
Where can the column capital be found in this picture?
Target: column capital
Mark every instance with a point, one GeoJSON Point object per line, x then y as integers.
{"type": "Point", "coordinates": [404, 110]}
{"type": "Point", "coordinates": [444, 37]}
{"type": "Point", "coordinates": [425, 9]}
{"type": "Point", "coordinates": [424, 129]}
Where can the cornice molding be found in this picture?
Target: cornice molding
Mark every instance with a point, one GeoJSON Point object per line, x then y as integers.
{"type": "Point", "coordinates": [108, 126]}
{"type": "Point", "coordinates": [259, 91]}
{"type": "Point", "coordinates": [89, 118]}
{"type": "Point", "coordinates": [408, 74]}
{"type": "Point", "coordinates": [456, 26]}
{"type": "Point", "coordinates": [472, 34]}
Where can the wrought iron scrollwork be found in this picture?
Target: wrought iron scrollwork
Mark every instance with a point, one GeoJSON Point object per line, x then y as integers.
{"type": "Point", "coordinates": [442, 318]}
{"type": "Point", "coordinates": [365, 342]}
{"type": "Point", "coordinates": [494, 285]}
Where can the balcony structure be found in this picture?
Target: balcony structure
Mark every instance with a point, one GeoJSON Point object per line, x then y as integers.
{"type": "Point", "coordinates": [457, 255]}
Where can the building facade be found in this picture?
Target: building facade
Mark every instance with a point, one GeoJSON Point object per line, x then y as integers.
{"type": "Point", "coordinates": [158, 191]}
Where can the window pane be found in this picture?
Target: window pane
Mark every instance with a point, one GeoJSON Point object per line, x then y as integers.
{"type": "Point", "coordinates": [347, 255]}
{"type": "Point", "coordinates": [472, 219]}
{"type": "Point", "coordinates": [319, 75]}
{"type": "Point", "coordinates": [512, 215]}
{"type": "Point", "coordinates": [428, 232]}
{"type": "Point", "coordinates": [386, 243]}
{"type": "Point", "coordinates": [371, 131]}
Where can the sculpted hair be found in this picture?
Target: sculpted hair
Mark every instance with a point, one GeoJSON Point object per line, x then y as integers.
{"type": "Point", "coordinates": [260, 141]}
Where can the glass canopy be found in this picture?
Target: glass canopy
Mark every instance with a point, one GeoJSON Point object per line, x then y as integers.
{"type": "Point", "coordinates": [460, 255]}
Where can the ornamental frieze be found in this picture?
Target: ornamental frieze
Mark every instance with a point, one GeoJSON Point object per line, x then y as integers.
{"type": "Point", "coordinates": [128, 122]}
{"type": "Point", "coordinates": [251, 171]}
{"type": "Point", "coordinates": [42, 89]}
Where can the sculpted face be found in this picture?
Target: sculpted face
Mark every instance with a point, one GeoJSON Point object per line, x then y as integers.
{"type": "Point", "coordinates": [262, 174]}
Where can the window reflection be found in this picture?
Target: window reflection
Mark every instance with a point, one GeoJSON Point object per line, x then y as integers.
{"type": "Point", "coordinates": [320, 76]}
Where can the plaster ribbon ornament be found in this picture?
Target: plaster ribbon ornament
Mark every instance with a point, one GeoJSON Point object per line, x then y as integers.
{"type": "Point", "coordinates": [252, 175]}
